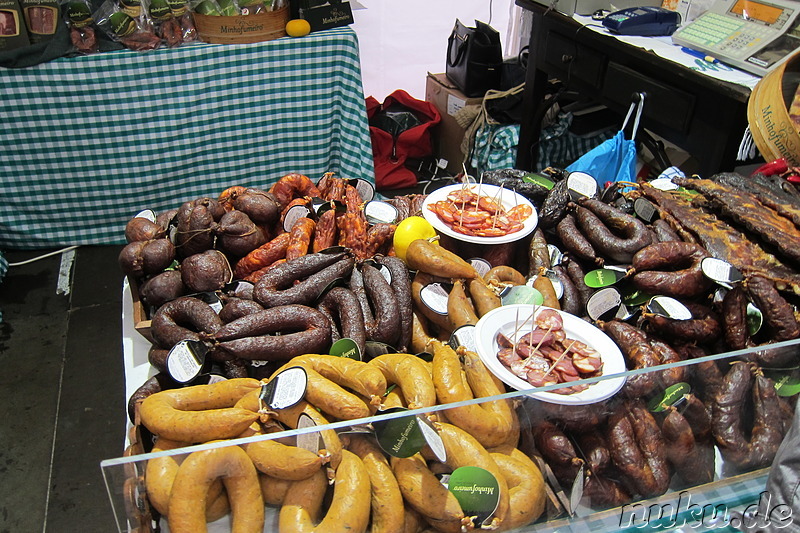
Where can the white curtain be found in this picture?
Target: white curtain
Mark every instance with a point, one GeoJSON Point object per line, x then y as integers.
{"type": "Point", "coordinates": [402, 40]}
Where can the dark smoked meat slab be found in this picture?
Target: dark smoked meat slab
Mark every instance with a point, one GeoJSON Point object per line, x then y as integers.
{"type": "Point", "coordinates": [723, 241]}
{"type": "Point", "coordinates": [745, 209]}
{"type": "Point", "coordinates": [785, 204]}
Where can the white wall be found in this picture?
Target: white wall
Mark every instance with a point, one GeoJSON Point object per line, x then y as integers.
{"type": "Point", "coordinates": [402, 40]}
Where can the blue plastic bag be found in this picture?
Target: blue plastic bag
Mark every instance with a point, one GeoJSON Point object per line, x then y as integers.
{"type": "Point", "coordinates": [614, 159]}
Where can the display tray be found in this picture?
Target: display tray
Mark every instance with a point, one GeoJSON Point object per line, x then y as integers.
{"type": "Point", "coordinates": [730, 494]}
{"type": "Point", "coordinates": [141, 321]}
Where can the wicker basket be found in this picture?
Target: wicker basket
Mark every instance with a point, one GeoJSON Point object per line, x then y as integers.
{"type": "Point", "coordinates": [774, 132]}
{"type": "Point", "coordinates": [240, 29]}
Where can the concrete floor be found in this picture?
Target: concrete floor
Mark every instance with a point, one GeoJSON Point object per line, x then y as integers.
{"type": "Point", "coordinates": [61, 391]}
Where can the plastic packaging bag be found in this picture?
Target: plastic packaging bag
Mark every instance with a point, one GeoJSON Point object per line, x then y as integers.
{"type": "Point", "coordinates": [615, 158]}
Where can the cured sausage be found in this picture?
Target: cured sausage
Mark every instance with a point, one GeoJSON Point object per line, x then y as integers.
{"type": "Point", "coordinates": [300, 238]}
{"type": "Point", "coordinates": [199, 470]}
{"type": "Point", "coordinates": [263, 256]}
{"type": "Point", "coordinates": [778, 313]}
{"type": "Point", "coordinates": [325, 233]}
{"type": "Point", "coordinates": [317, 272]}
{"type": "Point", "coordinates": [637, 448]}
{"type": "Point", "coordinates": [303, 330]}
{"type": "Point", "coordinates": [383, 324]}
{"type": "Point", "coordinates": [181, 319]}
{"type": "Point", "coordinates": [574, 241]}
{"type": "Point", "coordinates": [671, 268]}
{"type": "Point", "coordinates": [401, 285]}
{"type": "Point", "coordinates": [343, 310]}
{"type": "Point", "coordinates": [615, 234]}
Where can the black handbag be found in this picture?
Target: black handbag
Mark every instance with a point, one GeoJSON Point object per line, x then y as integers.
{"type": "Point", "coordinates": [474, 58]}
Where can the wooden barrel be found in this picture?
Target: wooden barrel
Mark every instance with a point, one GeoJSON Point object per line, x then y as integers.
{"type": "Point", "coordinates": [238, 29]}
{"type": "Point", "coordinates": [774, 131]}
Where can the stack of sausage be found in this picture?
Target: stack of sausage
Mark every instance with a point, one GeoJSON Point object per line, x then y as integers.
{"type": "Point", "coordinates": [369, 488]}
{"type": "Point", "coordinates": [241, 235]}
{"type": "Point", "coordinates": [626, 451]}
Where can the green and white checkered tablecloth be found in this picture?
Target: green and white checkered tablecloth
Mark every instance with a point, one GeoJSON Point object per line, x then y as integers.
{"type": "Point", "coordinates": [88, 142]}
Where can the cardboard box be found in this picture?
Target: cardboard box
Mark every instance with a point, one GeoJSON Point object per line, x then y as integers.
{"type": "Point", "coordinates": [448, 134]}
{"type": "Point", "coordinates": [141, 322]}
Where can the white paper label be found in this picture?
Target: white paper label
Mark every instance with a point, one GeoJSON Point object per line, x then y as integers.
{"type": "Point", "coordinates": [290, 387]}
{"type": "Point", "coordinates": [582, 184]}
{"type": "Point", "coordinates": [182, 363]}
{"type": "Point", "coordinates": [435, 297]}
{"type": "Point", "coordinates": [454, 104]}
{"type": "Point", "coordinates": [380, 212]}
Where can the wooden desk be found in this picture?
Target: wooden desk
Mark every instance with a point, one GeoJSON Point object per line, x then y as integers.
{"type": "Point", "coordinates": [703, 116]}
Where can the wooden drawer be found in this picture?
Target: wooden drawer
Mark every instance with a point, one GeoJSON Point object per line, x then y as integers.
{"type": "Point", "coordinates": [664, 104]}
{"type": "Point", "coordinates": [576, 61]}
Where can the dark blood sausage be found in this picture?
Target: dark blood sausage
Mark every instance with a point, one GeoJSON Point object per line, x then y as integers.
{"type": "Point", "coordinates": [577, 418]}
{"type": "Point", "coordinates": [577, 275]}
{"type": "Point", "coordinates": [571, 300]}
{"type": "Point", "coordinates": [557, 449]}
{"type": "Point", "coordinates": [767, 431]}
{"type": "Point", "coordinates": [401, 285]}
{"type": "Point", "coordinates": [235, 368]}
{"type": "Point", "coordinates": [277, 286]}
{"type": "Point", "coordinates": [302, 330]}
{"type": "Point", "coordinates": [663, 231]}
{"type": "Point", "coordinates": [325, 234]}
{"type": "Point", "coordinates": [734, 318]}
{"type": "Point", "coordinates": [605, 492]}
{"type": "Point", "coordinates": [703, 328]}
{"type": "Point", "coordinates": [671, 268]}
{"type": "Point", "coordinates": [356, 285]}
{"type": "Point", "coordinates": [300, 238]}
{"type": "Point", "coordinates": [667, 354]}
{"type": "Point", "coordinates": [613, 233]}
{"type": "Point", "coordinates": [574, 242]}
{"type": "Point", "coordinates": [154, 384]}
{"type": "Point", "coordinates": [234, 308]}
{"type": "Point", "coordinates": [261, 206]}
{"type": "Point", "coordinates": [385, 323]}
{"type": "Point", "coordinates": [594, 450]}
{"type": "Point", "coordinates": [637, 448]}
{"type": "Point", "coordinates": [692, 458]}
{"type": "Point", "coordinates": [778, 313]}
{"type": "Point", "coordinates": [726, 414]}
{"type": "Point", "coordinates": [183, 318]}
{"type": "Point", "coordinates": [706, 376]}
{"type": "Point", "coordinates": [158, 358]}
{"type": "Point", "coordinates": [728, 411]}
{"type": "Point", "coordinates": [554, 206]}
{"type": "Point", "coordinates": [638, 353]}
{"type": "Point", "coordinates": [342, 308]}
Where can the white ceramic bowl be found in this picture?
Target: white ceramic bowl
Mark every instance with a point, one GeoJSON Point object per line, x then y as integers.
{"type": "Point", "coordinates": [507, 199]}
{"type": "Point", "coordinates": [504, 320]}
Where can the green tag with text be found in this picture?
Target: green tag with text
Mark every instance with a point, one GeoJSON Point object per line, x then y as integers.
{"type": "Point", "coordinates": [671, 396]}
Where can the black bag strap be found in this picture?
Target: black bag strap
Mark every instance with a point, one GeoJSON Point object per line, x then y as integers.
{"type": "Point", "coordinates": [462, 46]}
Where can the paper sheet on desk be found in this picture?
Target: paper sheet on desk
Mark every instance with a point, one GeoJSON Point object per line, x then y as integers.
{"type": "Point", "coordinates": [663, 47]}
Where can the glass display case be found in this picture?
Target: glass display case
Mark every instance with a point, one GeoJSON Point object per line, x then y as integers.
{"type": "Point", "coordinates": [694, 454]}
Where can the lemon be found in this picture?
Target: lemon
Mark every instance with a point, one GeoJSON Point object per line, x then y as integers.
{"type": "Point", "coordinates": [298, 28]}
{"type": "Point", "coordinates": [409, 230]}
